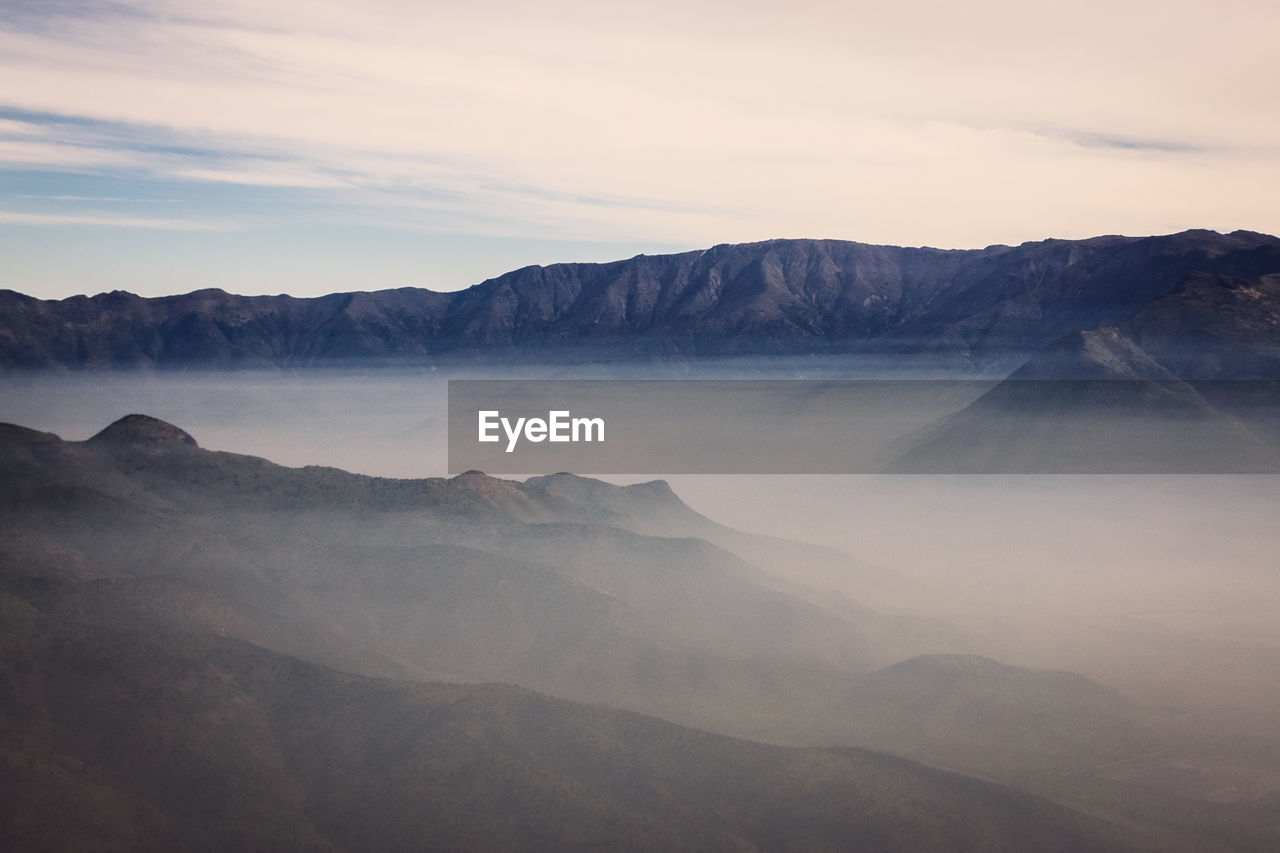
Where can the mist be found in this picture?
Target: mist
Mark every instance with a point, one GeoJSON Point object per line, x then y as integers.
{"type": "Point", "coordinates": [1092, 572]}
{"type": "Point", "coordinates": [1166, 585]}
{"type": "Point", "coordinates": [1161, 588]}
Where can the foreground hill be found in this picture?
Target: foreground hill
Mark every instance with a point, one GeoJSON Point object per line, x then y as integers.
{"type": "Point", "coordinates": [979, 308]}
{"type": "Point", "coordinates": [473, 578]}
{"type": "Point", "coordinates": [113, 740]}
{"type": "Point", "coordinates": [175, 621]}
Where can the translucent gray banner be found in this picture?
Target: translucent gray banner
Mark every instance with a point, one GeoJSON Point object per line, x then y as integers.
{"type": "Point", "coordinates": [643, 427]}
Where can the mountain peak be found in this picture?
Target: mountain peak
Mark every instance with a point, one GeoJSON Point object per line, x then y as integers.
{"type": "Point", "coordinates": [647, 506]}
{"type": "Point", "coordinates": [1101, 353]}
{"type": "Point", "coordinates": [143, 430]}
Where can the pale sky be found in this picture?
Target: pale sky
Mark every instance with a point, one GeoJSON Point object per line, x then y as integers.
{"type": "Point", "coordinates": [307, 147]}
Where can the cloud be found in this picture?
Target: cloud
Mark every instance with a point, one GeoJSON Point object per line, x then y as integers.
{"type": "Point", "coordinates": [695, 123]}
{"type": "Point", "coordinates": [93, 198]}
{"type": "Point", "coordinates": [288, 176]}
{"type": "Point", "coordinates": [109, 220]}
{"type": "Point", "coordinates": [1113, 142]}
{"type": "Point", "coordinates": [57, 155]}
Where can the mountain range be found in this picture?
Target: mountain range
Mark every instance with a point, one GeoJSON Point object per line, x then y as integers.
{"type": "Point", "coordinates": [1202, 304]}
{"type": "Point", "coordinates": [206, 650]}
{"type": "Point", "coordinates": [543, 584]}
{"type": "Point", "coordinates": [203, 649]}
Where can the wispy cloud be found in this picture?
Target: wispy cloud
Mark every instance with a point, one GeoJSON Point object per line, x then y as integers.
{"type": "Point", "coordinates": [290, 175]}
{"type": "Point", "coordinates": [912, 122]}
{"type": "Point", "coordinates": [1119, 143]}
{"type": "Point", "coordinates": [108, 220]}
{"type": "Point", "coordinates": [57, 155]}
{"type": "Point", "coordinates": [97, 199]}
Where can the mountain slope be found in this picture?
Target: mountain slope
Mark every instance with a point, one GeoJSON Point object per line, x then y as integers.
{"type": "Point", "coordinates": [139, 562]}
{"type": "Point", "coordinates": [121, 740]}
{"type": "Point", "coordinates": [1187, 385]}
{"type": "Point", "coordinates": [989, 718]}
{"type": "Point", "coordinates": [472, 578]}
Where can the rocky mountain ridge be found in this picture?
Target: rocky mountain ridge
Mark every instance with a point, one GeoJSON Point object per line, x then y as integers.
{"type": "Point", "coordinates": [780, 296]}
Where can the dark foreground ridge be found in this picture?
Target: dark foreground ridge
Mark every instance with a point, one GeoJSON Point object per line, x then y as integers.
{"type": "Point", "coordinates": [1191, 298]}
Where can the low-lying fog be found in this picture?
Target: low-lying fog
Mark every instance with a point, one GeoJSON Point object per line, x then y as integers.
{"type": "Point", "coordinates": [1166, 587]}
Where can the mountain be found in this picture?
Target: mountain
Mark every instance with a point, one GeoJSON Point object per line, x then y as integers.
{"type": "Point", "coordinates": [973, 713]}
{"type": "Point", "coordinates": [1188, 384]}
{"type": "Point", "coordinates": [149, 741]}
{"type": "Point", "coordinates": [472, 578]}
{"type": "Point", "coordinates": [653, 508]}
{"type": "Point", "coordinates": [1103, 426]}
{"type": "Point", "coordinates": [1214, 327]}
{"type": "Point", "coordinates": [549, 584]}
{"type": "Point", "coordinates": [979, 308]}
{"type": "Point", "coordinates": [307, 658]}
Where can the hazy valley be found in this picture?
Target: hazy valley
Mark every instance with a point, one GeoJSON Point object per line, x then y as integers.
{"type": "Point", "coordinates": [306, 637]}
{"type": "Point", "coordinates": [585, 426]}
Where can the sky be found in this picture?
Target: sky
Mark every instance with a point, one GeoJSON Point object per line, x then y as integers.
{"type": "Point", "coordinates": [313, 146]}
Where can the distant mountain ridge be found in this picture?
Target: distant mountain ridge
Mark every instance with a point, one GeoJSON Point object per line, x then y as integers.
{"type": "Point", "coordinates": [773, 297]}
